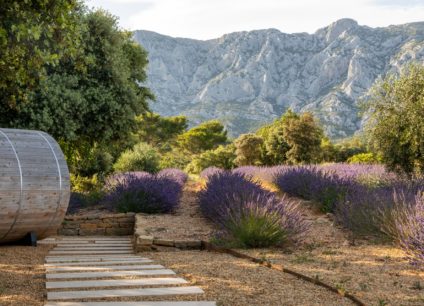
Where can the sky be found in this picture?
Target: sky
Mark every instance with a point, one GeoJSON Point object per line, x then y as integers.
{"type": "Point", "coordinates": [207, 19]}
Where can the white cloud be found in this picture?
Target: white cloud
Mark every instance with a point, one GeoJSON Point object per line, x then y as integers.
{"type": "Point", "coordinates": [205, 19]}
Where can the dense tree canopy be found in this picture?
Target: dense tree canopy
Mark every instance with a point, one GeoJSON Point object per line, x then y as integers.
{"type": "Point", "coordinates": [206, 136]}
{"type": "Point", "coordinates": [157, 130]}
{"type": "Point", "coordinates": [396, 124]}
{"type": "Point", "coordinates": [248, 150]}
{"type": "Point", "coordinates": [303, 134]}
{"type": "Point", "coordinates": [93, 97]}
{"type": "Point", "coordinates": [34, 34]}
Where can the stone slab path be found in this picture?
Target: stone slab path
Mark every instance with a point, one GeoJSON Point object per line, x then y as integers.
{"type": "Point", "coordinates": [89, 271]}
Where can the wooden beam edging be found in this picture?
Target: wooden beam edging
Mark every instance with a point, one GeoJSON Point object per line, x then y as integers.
{"type": "Point", "coordinates": [207, 246]}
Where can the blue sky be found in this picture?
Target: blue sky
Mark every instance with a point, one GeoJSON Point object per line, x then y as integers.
{"type": "Point", "coordinates": [205, 19]}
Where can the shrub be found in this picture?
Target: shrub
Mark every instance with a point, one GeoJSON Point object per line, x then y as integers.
{"type": "Point", "coordinates": [210, 171]}
{"type": "Point", "coordinates": [222, 157]}
{"type": "Point", "coordinates": [363, 158]}
{"type": "Point", "coordinates": [143, 192]}
{"type": "Point", "coordinates": [248, 215]}
{"type": "Point", "coordinates": [410, 230]}
{"type": "Point", "coordinates": [311, 183]}
{"type": "Point", "coordinates": [177, 175]}
{"type": "Point", "coordinates": [142, 157]}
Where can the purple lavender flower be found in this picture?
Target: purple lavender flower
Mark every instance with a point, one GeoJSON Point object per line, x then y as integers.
{"type": "Point", "coordinates": [143, 192]}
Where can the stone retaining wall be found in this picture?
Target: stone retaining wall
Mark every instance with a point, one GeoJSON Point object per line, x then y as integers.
{"type": "Point", "coordinates": [107, 224]}
{"type": "Point", "coordinates": [143, 241]}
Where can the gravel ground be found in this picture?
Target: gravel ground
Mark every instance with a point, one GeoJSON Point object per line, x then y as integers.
{"type": "Point", "coordinates": [22, 275]}
{"type": "Point", "coordinates": [378, 274]}
{"type": "Point", "coordinates": [235, 282]}
{"type": "Point", "coordinates": [187, 223]}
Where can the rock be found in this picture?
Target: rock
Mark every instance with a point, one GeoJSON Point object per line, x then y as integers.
{"type": "Point", "coordinates": [144, 240]}
{"type": "Point", "coordinates": [250, 78]}
{"type": "Point", "coordinates": [164, 242]}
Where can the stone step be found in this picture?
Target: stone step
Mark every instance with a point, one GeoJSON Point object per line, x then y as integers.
{"type": "Point", "coordinates": [67, 295]}
{"type": "Point", "coordinates": [117, 268]}
{"type": "Point", "coordinates": [99, 263]}
{"type": "Point", "coordinates": [109, 244]}
{"type": "Point", "coordinates": [56, 259]}
{"type": "Point", "coordinates": [108, 274]}
{"type": "Point", "coordinates": [71, 252]}
{"type": "Point", "coordinates": [95, 248]}
{"type": "Point", "coordinates": [116, 283]}
{"type": "Point", "coordinates": [163, 303]}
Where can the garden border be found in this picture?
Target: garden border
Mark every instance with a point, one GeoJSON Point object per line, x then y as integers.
{"type": "Point", "coordinates": [206, 246]}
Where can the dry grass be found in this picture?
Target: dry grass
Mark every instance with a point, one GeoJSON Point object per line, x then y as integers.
{"type": "Point", "coordinates": [22, 275]}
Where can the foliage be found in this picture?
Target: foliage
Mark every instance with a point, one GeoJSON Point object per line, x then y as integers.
{"type": "Point", "coordinates": [143, 192]}
{"type": "Point", "coordinates": [33, 35]}
{"type": "Point", "coordinates": [396, 125]}
{"type": "Point", "coordinates": [248, 215]}
{"type": "Point", "coordinates": [157, 130]}
{"type": "Point", "coordinates": [210, 171]}
{"type": "Point", "coordinates": [85, 191]}
{"type": "Point", "coordinates": [206, 136]}
{"type": "Point", "coordinates": [303, 135]}
{"type": "Point", "coordinates": [325, 188]}
{"type": "Point", "coordinates": [222, 157]}
{"type": "Point", "coordinates": [175, 158]}
{"type": "Point", "coordinates": [347, 148]}
{"type": "Point", "coordinates": [142, 157]}
{"type": "Point", "coordinates": [363, 158]}
{"type": "Point", "coordinates": [91, 100]}
{"type": "Point", "coordinates": [248, 149]}
{"type": "Point", "coordinates": [176, 174]}
{"type": "Point", "coordinates": [410, 229]}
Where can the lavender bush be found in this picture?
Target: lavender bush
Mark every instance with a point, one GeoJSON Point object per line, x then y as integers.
{"type": "Point", "coordinates": [176, 174]}
{"type": "Point", "coordinates": [312, 183]}
{"type": "Point", "coordinates": [207, 172]}
{"type": "Point", "coordinates": [410, 230]}
{"type": "Point", "coordinates": [144, 192]}
{"type": "Point", "coordinates": [248, 215]}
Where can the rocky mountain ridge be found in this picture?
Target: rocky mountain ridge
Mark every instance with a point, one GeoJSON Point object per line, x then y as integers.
{"type": "Point", "coordinates": [246, 79]}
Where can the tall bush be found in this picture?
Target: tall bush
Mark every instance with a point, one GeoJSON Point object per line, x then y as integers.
{"type": "Point", "coordinates": [248, 215]}
{"type": "Point", "coordinates": [142, 157]}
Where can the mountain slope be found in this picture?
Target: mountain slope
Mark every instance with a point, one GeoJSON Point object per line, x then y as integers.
{"type": "Point", "coordinates": [246, 79]}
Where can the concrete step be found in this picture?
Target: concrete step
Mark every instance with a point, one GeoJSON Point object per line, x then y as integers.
{"type": "Point", "coordinates": [163, 303]}
{"type": "Point", "coordinates": [68, 295]}
{"type": "Point", "coordinates": [94, 252]}
{"type": "Point", "coordinates": [108, 274]}
{"type": "Point", "coordinates": [99, 263]}
{"type": "Point", "coordinates": [95, 248]}
{"type": "Point", "coordinates": [86, 258]}
{"type": "Point", "coordinates": [116, 283]}
{"type": "Point", "coordinates": [117, 268]}
{"type": "Point", "coordinates": [108, 244]}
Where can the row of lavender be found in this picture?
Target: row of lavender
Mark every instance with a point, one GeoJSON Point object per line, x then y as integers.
{"type": "Point", "coordinates": [365, 199]}
{"type": "Point", "coordinates": [140, 192]}
{"type": "Point", "coordinates": [247, 214]}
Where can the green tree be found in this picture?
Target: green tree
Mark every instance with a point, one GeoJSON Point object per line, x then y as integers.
{"type": "Point", "coordinates": [303, 135]}
{"type": "Point", "coordinates": [34, 34]}
{"type": "Point", "coordinates": [248, 150]}
{"type": "Point", "coordinates": [91, 100]}
{"type": "Point", "coordinates": [142, 157]}
{"type": "Point", "coordinates": [396, 125]}
{"type": "Point", "coordinates": [206, 136]}
{"type": "Point", "coordinates": [157, 130]}
{"type": "Point", "coordinates": [221, 157]}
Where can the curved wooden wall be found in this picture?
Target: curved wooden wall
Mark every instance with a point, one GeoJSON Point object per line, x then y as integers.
{"type": "Point", "coordinates": [34, 184]}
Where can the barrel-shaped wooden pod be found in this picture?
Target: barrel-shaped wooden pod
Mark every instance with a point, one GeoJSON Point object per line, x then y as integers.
{"type": "Point", "coordinates": [34, 184]}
